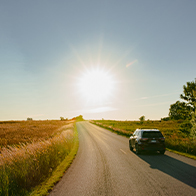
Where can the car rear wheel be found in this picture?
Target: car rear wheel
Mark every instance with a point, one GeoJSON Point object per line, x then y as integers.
{"type": "Point", "coordinates": [162, 151]}
{"type": "Point", "coordinates": [130, 147]}
{"type": "Point", "coordinates": [137, 149]}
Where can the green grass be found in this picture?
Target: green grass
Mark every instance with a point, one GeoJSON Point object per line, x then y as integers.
{"type": "Point", "coordinates": [175, 139]}
{"type": "Point", "coordinates": [182, 153]}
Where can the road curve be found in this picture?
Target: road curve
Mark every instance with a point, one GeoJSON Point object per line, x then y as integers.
{"type": "Point", "coordinates": [104, 165]}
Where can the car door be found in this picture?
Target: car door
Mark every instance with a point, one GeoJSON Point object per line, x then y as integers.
{"type": "Point", "coordinates": [134, 137]}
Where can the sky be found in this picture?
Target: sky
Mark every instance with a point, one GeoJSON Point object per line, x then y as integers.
{"type": "Point", "coordinates": [54, 55]}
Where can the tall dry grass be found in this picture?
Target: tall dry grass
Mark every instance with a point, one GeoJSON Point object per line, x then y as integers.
{"type": "Point", "coordinates": [16, 132]}
{"type": "Point", "coordinates": [23, 166]}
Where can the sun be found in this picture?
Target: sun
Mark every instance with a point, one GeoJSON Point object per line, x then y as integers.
{"type": "Point", "coordinates": [96, 85]}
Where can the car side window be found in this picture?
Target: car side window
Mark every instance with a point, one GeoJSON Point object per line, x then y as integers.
{"type": "Point", "coordinates": [135, 133]}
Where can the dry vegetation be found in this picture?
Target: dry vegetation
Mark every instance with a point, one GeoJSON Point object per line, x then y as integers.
{"type": "Point", "coordinates": [16, 132]}
{"type": "Point", "coordinates": [35, 149]}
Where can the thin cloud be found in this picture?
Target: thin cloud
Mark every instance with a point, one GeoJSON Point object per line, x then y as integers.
{"type": "Point", "coordinates": [163, 95]}
{"type": "Point", "coordinates": [131, 63]}
{"type": "Point", "coordinates": [153, 104]}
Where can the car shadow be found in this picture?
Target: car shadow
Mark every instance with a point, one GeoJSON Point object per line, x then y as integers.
{"type": "Point", "coordinates": [177, 169]}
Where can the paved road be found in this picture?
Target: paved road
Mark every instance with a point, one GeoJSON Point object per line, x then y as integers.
{"type": "Point", "coordinates": [104, 165]}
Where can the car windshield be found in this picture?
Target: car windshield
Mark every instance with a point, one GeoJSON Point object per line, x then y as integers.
{"type": "Point", "coordinates": [151, 134]}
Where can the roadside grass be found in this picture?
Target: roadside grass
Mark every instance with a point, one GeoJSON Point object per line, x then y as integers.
{"type": "Point", "coordinates": [182, 153]}
{"type": "Point", "coordinates": [25, 166]}
{"type": "Point", "coordinates": [49, 183]}
{"type": "Point", "coordinates": [175, 140]}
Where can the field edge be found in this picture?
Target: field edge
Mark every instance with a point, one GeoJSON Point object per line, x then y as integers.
{"type": "Point", "coordinates": [44, 188]}
{"type": "Point", "coordinates": [182, 153]}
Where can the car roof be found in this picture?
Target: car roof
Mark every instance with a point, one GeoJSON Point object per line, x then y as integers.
{"type": "Point", "coordinates": [147, 130]}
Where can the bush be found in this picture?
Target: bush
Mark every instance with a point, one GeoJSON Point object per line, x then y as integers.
{"type": "Point", "coordinates": [185, 127]}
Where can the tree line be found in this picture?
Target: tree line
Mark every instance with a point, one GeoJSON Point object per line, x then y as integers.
{"type": "Point", "coordinates": [185, 109]}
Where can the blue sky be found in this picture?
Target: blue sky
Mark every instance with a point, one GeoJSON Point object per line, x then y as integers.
{"type": "Point", "coordinates": [147, 47]}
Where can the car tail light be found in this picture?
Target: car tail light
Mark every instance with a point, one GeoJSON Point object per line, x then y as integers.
{"type": "Point", "coordinates": [162, 139]}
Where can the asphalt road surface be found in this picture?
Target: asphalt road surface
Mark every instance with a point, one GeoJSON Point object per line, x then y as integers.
{"type": "Point", "coordinates": [104, 165]}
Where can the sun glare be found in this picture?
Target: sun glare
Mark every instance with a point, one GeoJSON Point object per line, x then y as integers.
{"type": "Point", "coordinates": [96, 86]}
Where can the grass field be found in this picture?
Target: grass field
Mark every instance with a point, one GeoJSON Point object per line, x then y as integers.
{"type": "Point", "coordinates": [31, 151]}
{"type": "Point", "coordinates": [16, 132]}
{"type": "Point", "coordinates": [174, 138]}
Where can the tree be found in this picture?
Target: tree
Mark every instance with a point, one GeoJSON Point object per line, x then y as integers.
{"type": "Point", "coordinates": [193, 129]}
{"type": "Point", "coordinates": [192, 86]}
{"type": "Point", "coordinates": [190, 96]}
{"type": "Point", "coordinates": [189, 93]}
{"type": "Point", "coordinates": [186, 110]}
{"type": "Point", "coordinates": [180, 110]}
{"type": "Point", "coordinates": [142, 119]}
{"type": "Point", "coordinates": [79, 118]}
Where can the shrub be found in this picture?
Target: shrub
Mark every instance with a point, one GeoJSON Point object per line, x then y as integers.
{"type": "Point", "coordinates": [185, 127]}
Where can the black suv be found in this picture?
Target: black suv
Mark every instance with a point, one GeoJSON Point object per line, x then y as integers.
{"type": "Point", "coordinates": [147, 140]}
